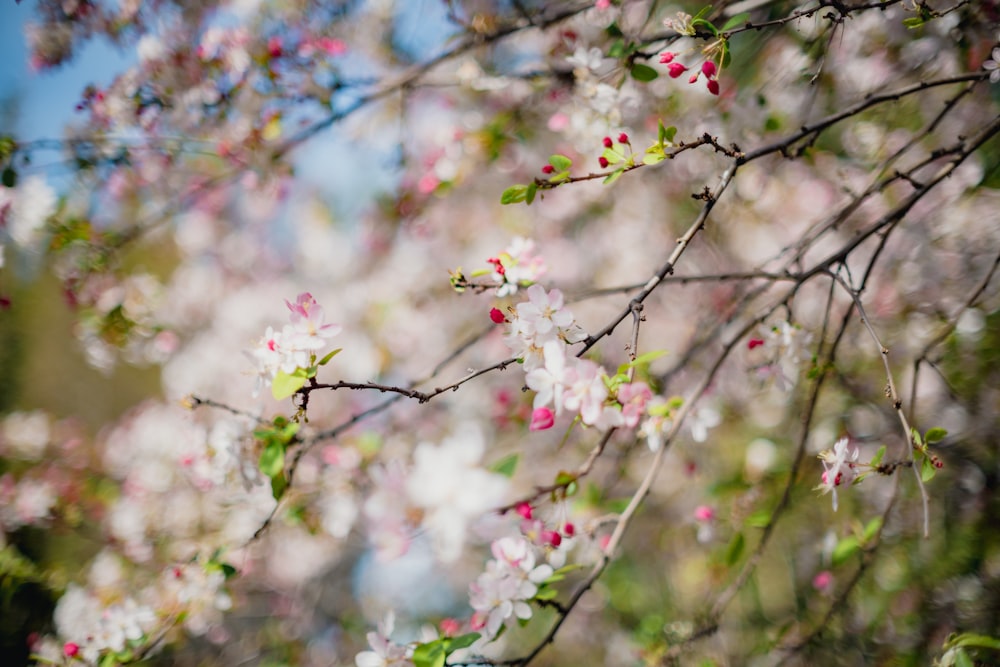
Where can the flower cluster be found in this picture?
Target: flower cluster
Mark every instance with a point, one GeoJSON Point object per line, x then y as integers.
{"type": "Point", "coordinates": [839, 466]}
{"type": "Point", "coordinates": [294, 347]}
{"type": "Point", "coordinates": [782, 347]}
{"type": "Point", "coordinates": [91, 628]}
{"type": "Point", "coordinates": [516, 266]}
{"type": "Point", "coordinates": [502, 592]}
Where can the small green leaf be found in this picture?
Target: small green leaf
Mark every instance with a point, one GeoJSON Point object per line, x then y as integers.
{"type": "Point", "coordinates": [759, 519]}
{"type": "Point", "coordinates": [962, 659]}
{"type": "Point", "coordinates": [507, 465]}
{"type": "Point", "coordinates": [325, 360]}
{"type": "Point", "coordinates": [463, 641]}
{"type": "Point", "coordinates": [564, 478]}
{"type": "Point", "coordinates": [653, 158]}
{"type": "Point", "coordinates": [738, 20]}
{"type": "Point", "coordinates": [703, 12]}
{"type": "Point", "coordinates": [614, 176]}
{"type": "Point", "coordinates": [285, 385]}
{"type": "Point", "coordinates": [846, 548]}
{"type": "Point", "coordinates": [735, 549]}
{"type": "Point", "coordinates": [612, 156]}
{"type": "Point", "coordinates": [560, 162]}
{"type": "Point", "coordinates": [513, 194]}
{"type": "Point", "coordinates": [430, 654]}
{"type": "Point", "coordinates": [872, 528]}
{"type": "Point", "coordinates": [643, 73]}
{"type": "Point", "coordinates": [707, 25]}
{"type": "Point", "coordinates": [927, 469]}
{"type": "Point", "coordinates": [667, 134]}
{"type": "Point", "coordinates": [975, 641]}
{"type": "Point", "coordinates": [529, 195]}
{"type": "Point", "coordinates": [934, 435]}
{"type": "Point", "coordinates": [913, 22]}
{"type": "Point", "coordinates": [546, 593]}
{"type": "Point", "coordinates": [879, 455]}
{"type": "Point", "coordinates": [272, 459]}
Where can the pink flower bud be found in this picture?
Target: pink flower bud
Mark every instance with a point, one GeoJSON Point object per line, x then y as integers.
{"type": "Point", "coordinates": [623, 138]}
{"type": "Point", "coordinates": [822, 580]}
{"type": "Point", "coordinates": [607, 142]}
{"type": "Point", "coordinates": [71, 650]}
{"type": "Point", "coordinates": [713, 86]}
{"type": "Point", "coordinates": [551, 537]}
{"type": "Point", "coordinates": [693, 78]}
{"type": "Point", "coordinates": [497, 316]}
{"type": "Point", "coordinates": [666, 57]}
{"type": "Point", "coordinates": [708, 68]}
{"type": "Point", "coordinates": [755, 342]}
{"type": "Point", "coordinates": [569, 529]}
{"type": "Point", "coordinates": [524, 509]}
{"type": "Point", "coordinates": [675, 70]}
{"type": "Point", "coordinates": [274, 47]}
{"type": "Point", "coordinates": [548, 169]}
{"type": "Point", "coordinates": [541, 419]}
{"type": "Point", "coordinates": [603, 161]}
{"type": "Point", "coordinates": [449, 627]}
{"type": "Point", "coordinates": [704, 513]}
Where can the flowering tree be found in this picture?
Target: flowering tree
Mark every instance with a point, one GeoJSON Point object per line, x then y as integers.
{"type": "Point", "coordinates": [485, 326]}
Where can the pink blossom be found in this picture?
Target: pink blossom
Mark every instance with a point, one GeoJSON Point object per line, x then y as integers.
{"type": "Point", "coordinates": [675, 70]}
{"type": "Point", "coordinates": [822, 580]}
{"type": "Point", "coordinates": [667, 57]}
{"type": "Point", "coordinates": [542, 419]}
{"type": "Point", "coordinates": [633, 397]}
{"type": "Point", "coordinates": [704, 513]}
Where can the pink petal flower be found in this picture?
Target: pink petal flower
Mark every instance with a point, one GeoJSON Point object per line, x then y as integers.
{"type": "Point", "coordinates": [542, 419]}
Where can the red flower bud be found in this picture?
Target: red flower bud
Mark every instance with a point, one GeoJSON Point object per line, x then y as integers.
{"type": "Point", "coordinates": [497, 316]}
{"type": "Point", "coordinates": [694, 77]}
{"type": "Point", "coordinates": [666, 57]}
{"type": "Point", "coordinates": [603, 161]}
{"type": "Point", "coordinates": [755, 342]}
{"type": "Point", "coordinates": [548, 169]}
{"type": "Point", "coordinates": [524, 509]}
{"type": "Point", "coordinates": [713, 86]}
{"type": "Point", "coordinates": [551, 537]}
{"type": "Point", "coordinates": [708, 68]}
{"type": "Point", "coordinates": [608, 143]}
{"type": "Point", "coordinates": [623, 138]}
{"type": "Point", "coordinates": [71, 650]}
{"type": "Point", "coordinates": [675, 70]}
{"type": "Point", "coordinates": [569, 529]}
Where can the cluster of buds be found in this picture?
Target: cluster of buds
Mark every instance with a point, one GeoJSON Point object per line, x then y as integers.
{"type": "Point", "coordinates": [676, 69]}
{"type": "Point", "coordinates": [609, 144]}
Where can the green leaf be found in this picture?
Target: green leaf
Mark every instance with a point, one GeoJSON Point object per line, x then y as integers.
{"type": "Point", "coordinates": [9, 177]}
{"type": "Point", "coordinates": [272, 459]}
{"type": "Point", "coordinates": [735, 549]}
{"type": "Point", "coordinates": [913, 22]}
{"type": "Point", "coordinates": [871, 528]}
{"type": "Point", "coordinates": [653, 158]}
{"type": "Point", "coordinates": [614, 176]}
{"type": "Point", "coordinates": [707, 25]}
{"type": "Point", "coordinates": [759, 519]}
{"type": "Point", "coordinates": [703, 12]}
{"type": "Point", "coordinates": [285, 385]}
{"type": "Point", "coordinates": [546, 593]}
{"type": "Point", "coordinates": [643, 73]}
{"type": "Point", "coordinates": [431, 654]}
{"type": "Point", "coordinates": [975, 641]}
{"type": "Point", "coordinates": [612, 156]}
{"type": "Point", "coordinates": [513, 194]}
{"type": "Point", "coordinates": [325, 360]}
{"type": "Point", "coordinates": [846, 548]}
{"type": "Point", "coordinates": [529, 195]}
{"type": "Point", "coordinates": [667, 134]}
{"type": "Point", "coordinates": [962, 659]}
{"type": "Point", "coordinates": [927, 469]}
{"type": "Point", "coordinates": [647, 358]}
{"type": "Point", "coordinates": [560, 162]}
{"type": "Point", "coordinates": [507, 465]}
{"type": "Point", "coordinates": [934, 435]}
{"type": "Point", "coordinates": [737, 21]}
{"type": "Point", "coordinates": [463, 641]}
{"type": "Point", "coordinates": [564, 478]}
{"type": "Point", "coordinates": [879, 455]}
